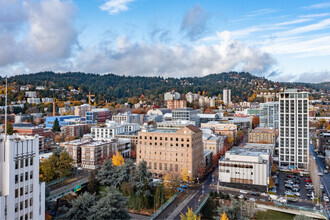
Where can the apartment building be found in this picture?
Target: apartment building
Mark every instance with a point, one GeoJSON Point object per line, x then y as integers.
{"type": "Point", "coordinates": [212, 142]}
{"type": "Point", "coordinates": [171, 150]}
{"type": "Point", "coordinates": [35, 101]}
{"type": "Point", "coordinates": [174, 104]}
{"type": "Point", "coordinates": [82, 109]}
{"type": "Point", "coordinates": [22, 196]}
{"type": "Point", "coordinates": [32, 131]}
{"type": "Point", "coordinates": [192, 97]}
{"type": "Point", "coordinates": [128, 117]}
{"type": "Point", "coordinates": [262, 136]}
{"type": "Point", "coordinates": [172, 95]}
{"type": "Point", "coordinates": [226, 96]}
{"type": "Point", "coordinates": [269, 115]}
{"type": "Point", "coordinates": [111, 128]}
{"type": "Point", "coordinates": [294, 129]}
{"type": "Point", "coordinates": [229, 130]}
{"type": "Point", "coordinates": [98, 115]}
{"type": "Point", "coordinates": [31, 94]}
{"type": "Point", "coordinates": [47, 100]}
{"type": "Point", "coordinates": [77, 130]}
{"type": "Point", "coordinates": [245, 168]}
{"type": "Point", "coordinates": [88, 153]}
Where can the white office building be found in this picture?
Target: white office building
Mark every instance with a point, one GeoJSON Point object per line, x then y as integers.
{"type": "Point", "coordinates": [21, 194]}
{"type": "Point", "coordinates": [112, 128]}
{"type": "Point", "coordinates": [245, 169]}
{"type": "Point", "coordinates": [226, 96]}
{"type": "Point", "coordinates": [293, 129]}
{"type": "Point", "coordinates": [269, 114]}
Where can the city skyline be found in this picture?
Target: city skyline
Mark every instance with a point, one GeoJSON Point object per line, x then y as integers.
{"type": "Point", "coordinates": [283, 41]}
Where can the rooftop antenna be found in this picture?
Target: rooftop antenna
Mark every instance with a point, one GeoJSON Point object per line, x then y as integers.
{"type": "Point", "coordinates": [6, 110]}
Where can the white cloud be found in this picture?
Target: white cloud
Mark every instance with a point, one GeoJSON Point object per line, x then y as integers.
{"type": "Point", "coordinates": [324, 24]}
{"type": "Point", "coordinates": [307, 77]}
{"type": "Point", "coordinates": [115, 6]}
{"type": "Point", "coordinates": [317, 6]}
{"type": "Point", "coordinates": [315, 15]}
{"type": "Point", "coordinates": [179, 60]}
{"type": "Point", "coordinates": [39, 35]}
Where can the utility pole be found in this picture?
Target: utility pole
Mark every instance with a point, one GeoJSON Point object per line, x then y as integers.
{"type": "Point", "coordinates": [6, 109]}
{"type": "Point", "coordinates": [54, 106]}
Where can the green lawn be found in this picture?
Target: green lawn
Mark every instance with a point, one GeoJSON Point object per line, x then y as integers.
{"type": "Point", "coordinates": [274, 215]}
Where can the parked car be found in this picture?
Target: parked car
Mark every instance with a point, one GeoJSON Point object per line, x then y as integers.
{"type": "Point", "coordinates": [320, 174]}
{"type": "Point", "coordinates": [295, 189]}
{"type": "Point", "coordinates": [326, 198]}
{"type": "Point", "coordinates": [255, 194]}
{"type": "Point", "coordinates": [308, 180]}
{"type": "Point", "coordinates": [296, 194]}
{"type": "Point", "coordinates": [288, 186]}
{"type": "Point", "coordinates": [321, 186]}
{"type": "Point", "coordinates": [243, 191]}
{"type": "Point", "coordinates": [252, 199]}
{"type": "Point", "coordinates": [289, 176]}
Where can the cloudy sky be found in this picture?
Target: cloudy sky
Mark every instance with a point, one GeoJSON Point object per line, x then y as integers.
{"type": "Point", "coordinates": [281, 40]}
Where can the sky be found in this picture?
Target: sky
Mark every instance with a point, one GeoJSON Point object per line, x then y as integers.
{"type": "Point", "coordinates": [280, 40]}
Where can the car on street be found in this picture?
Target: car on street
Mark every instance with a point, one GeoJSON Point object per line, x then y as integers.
{"type": "Point", "coordinates": [326, 171]}
{"type": "Point", "coordinates": [326, 198]}
{"type": "Point", "coordinates": [296, 194]}
{"type": "Point", "coordinates": [308, 180]}
{"type": "Point", "coordinates": [243, 191]}
{"type": "Point", "coordinates": [255, 194]}
{"type": "Point", "coordinates": [321, 186]}
{"type": "Point", "coordinates": [295, 190]}
{"type": "Point", "coordinates": [320, 174]}
{"type": "Point", "coordinates": [240, 196]}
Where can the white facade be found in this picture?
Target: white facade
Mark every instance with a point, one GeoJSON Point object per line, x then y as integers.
{"type": "Point", "coordinates": [226, 96]}
{"type": "Point", "coordinates": [45, 100]}
{"type": "Point", "coordinates": [294, 129]}
{"type": "Point", "coordinates": [269, 113]}
{"type": "Point", "coordinates": [112, 128]}
{"type": "Point", "coordinates": [33, 101]}
{"type": "Point", "coordinates": [172, 96]}
{"type": "Point", "coordinates": [245, 166]}
{"type": "Point", "coordinates": [21, 194]}
{"type": "Point", "coordinates": [31, 94]}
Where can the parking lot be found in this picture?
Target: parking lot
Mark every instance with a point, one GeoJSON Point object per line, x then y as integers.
{"type": "Point", "coordinates": [281, 186]}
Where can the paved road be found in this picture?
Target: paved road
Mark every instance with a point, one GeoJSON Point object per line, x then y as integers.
{"type": "Point", "coordinates": [68, 186]}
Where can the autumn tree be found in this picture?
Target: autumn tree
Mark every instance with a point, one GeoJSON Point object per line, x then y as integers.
{"type": "Point", "coordinates": [190, 215]}
{"type": "Point", "coordinates": [184, 175]}
{"type": "Point", "coordinates": [117, 159]}
{"type": "Point", "coordinates": [255, 121]}
{"type": "Point", "coordinates": [10, 129]}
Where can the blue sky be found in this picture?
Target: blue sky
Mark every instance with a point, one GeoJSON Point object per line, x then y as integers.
{"type": "Point", "coordinates": [281, 40]}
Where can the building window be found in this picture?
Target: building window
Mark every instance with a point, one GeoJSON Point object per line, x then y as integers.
{"type": "Point", "coordinates": [31, 161]}
{"type": "Point", "coordinates": [26, 162]}
{"type": "Point", "coordinates": [16, 178]}
{"type": "Point", "coordinates": [16, 207]}
{"type": "Point", "coordinates": [31, 201]}
{"type": "Point", "coordinates": [20, 205]}
{"type": "Point", "coordinates": [26, 176]}
{"type": "Point", "coordinates": [22, 163]}
{"type": "Point", "coordinates": [26, 189]}
{"type": "Point", "coordinates": [160, 166]}
{"type": "Point", "coordinates": [165, 167]}
{"type": "Point", "coordinates": [21, 191]}
{"type": "Point", "coordinates": [171, 168]}
{"type": "Point", "coordinates": [31, 174]}
{"type": "Point", "coordinates": [26, 203]}
{"type": "Point", "coordinates": [31, 188]}
{"type": "Point", "coordinates": [31, 215]}
{"type": "Point", "coordinates": [155, 166]}
{"type": "Point", "coordinates": [16, 193]}
{"type": "Point", "coordinates": [176, 167]}
{"type": "Point", "coordinates": [16, 164]}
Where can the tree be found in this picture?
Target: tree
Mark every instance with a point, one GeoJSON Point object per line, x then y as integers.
{"type": "Point", "coordinates": [159, 196]}
{"type": "Point", "coordinates": [190, 215]}
{"type": "Point", "coordinates": [10, 129]}
{"type": "Point", "coordinates": [81, 206]}
{"type": "Point", "coordinates": [171, 183]}
{"type": "Point", "coordinates": [56, 166]}
{"type": "Point", "coordinates": [184, 175]}
{"type": "Point", "coordinates": [92, 183]}
{"type": "Point", "coordinates": [59, 138]}
{"type": "Point", "coordinates": [143, 183]}
{"type": "Point", "coordinates": [117, 159]}
{"type": "Point", "coordinates": [56, 126]}
{"type": "Point", "coordinates": [110, 206]}
{"type": "Point", "coordinates": [232, 212]}
{"type": "Point", "coordinates": [106, 173]}
{"type": "Point", "coordinates": [255, 121]}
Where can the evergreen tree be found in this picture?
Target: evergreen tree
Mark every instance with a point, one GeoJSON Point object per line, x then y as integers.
{"type": "Point", "coordinates": [92, 183]}
{"type": "Point", "coordinates": [56, 126]}
{"type": "Point", "coordinates": [107, 174]}
{"type": "Point", "coordinates": [81, 206]}
{"type": "Point", "coordinates": [110, 206]}
{"type": "Point", "coordinates": [143, 183]}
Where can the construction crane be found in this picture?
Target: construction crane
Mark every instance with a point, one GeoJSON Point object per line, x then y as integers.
{"type": "Point", "coordinates": [54, 105]}
{"type": "Point", "coordinates": [89, 100]}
